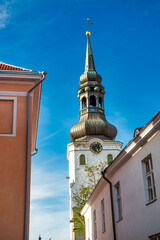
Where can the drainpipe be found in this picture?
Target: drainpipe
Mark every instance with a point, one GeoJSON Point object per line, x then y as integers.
{"type": "Point", "coordinates": [112, 206]}
{"type": "Point", "coordinates": [35, 152]}
{"type": "Point", "coordinates": [28, 153]}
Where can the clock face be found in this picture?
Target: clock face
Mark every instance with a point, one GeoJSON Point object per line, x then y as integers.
{"type": "Point", "coordinates": [96, 147]}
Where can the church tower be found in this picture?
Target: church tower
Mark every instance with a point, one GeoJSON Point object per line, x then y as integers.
{"type": "Point", "coordinates": [92, 138]}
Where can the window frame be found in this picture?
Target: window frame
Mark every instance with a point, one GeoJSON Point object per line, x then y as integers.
{"type": "Point", "coordinates": [95, 224]}
{"type": "Point", "coordinates": [118, 202]}
{"type": "Point", "coordinates": [14, 99]}
{"type": "Point", "coordinates": [149, 181]}
{"type": "Point", "coordinates": [103, 216]}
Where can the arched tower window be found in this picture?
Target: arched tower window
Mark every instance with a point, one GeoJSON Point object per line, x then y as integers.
{"type": "Point", "coordinates": [92, 101]}
{"type": "Point", "coordinates": [84, 103]}
{"type": "Point", "coordinates": [82, 160]}
{"type": "Point", "coordinates": [100, 102]}
{"type": "Point", "coordinates": [109, 158]}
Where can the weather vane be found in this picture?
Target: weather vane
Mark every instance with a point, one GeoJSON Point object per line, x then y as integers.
{"type": "Point", "coordinates": [89, 22]}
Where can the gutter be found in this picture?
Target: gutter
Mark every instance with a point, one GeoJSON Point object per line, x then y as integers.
{"type": "Point", "coordinates": [112, 206]}
{"type": "Point", "coordinates": [23, 72]}
{"type": "Point", "coordinates": [28, 154]}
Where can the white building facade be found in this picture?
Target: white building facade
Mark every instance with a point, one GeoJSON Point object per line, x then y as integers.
{"type": "Point", "coordinates": [133, 180]}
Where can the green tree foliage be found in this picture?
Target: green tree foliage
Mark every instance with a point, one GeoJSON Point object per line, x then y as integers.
{"type": "Point", "coordinates": [82, 194]}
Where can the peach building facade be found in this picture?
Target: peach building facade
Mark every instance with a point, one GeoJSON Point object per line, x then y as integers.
{"type": "Point", "coordinates": [133, 180]}
{"type": "Point", "coordinates": [20, 91]}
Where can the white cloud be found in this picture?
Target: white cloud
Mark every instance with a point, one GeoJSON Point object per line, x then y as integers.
{"type": "Point", "coordinates": [4, 15]}
{"type": "Point", "coordinates": [5, 12]}
{"type": "Point", "coordinates": [45, 184]}
{"type": "Point", "coordinates": [49, 224]}
{"type": "Point", "coordinates": [51, 135]}
{"type": "Point", "coordinates": [124, 134]}
{"type": "Point", "coordinates": [49, 204]}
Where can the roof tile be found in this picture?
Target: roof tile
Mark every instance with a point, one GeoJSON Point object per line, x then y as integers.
{"type": "Point", "coordinates": [4, 66]}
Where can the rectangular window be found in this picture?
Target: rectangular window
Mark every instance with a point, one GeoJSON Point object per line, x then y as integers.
{"type": "Point", "coordinates": [8, 115]}
{"type": "Point", "coordinates": [103, 217]}
{"type": "Point", "coordinates": [95, 225]}
{"type": "Point", "coordinates": [149, 179]}
{"type": "Point", "coordinates": [155, 237]}
{"type": "Point", "coordinates": [118, 202]}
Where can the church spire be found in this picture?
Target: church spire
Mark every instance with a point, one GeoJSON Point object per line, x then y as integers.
{"type": "Point", "coordinates": [89, 63]}
{"type": "Point", "coordinates": [92, 122]}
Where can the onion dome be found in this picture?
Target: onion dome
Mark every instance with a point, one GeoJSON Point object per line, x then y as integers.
{"type": "Point", "coordinates": [92, 122]}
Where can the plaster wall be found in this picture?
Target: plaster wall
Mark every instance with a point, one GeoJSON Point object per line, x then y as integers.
{"type": "Point", "coordinates": [103, 194]}
{"type": "Point", "coordinates": [144, 218]}
{"type": "Point", "coordinates": [139, 220]}
{"type": "Point", "coordinates": [13, 169]}
{"type": "Point", "coordinates": [76, 171]}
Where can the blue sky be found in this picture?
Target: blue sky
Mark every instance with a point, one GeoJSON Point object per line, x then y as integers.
{"type": "Point", "coordinates": [50, 35]}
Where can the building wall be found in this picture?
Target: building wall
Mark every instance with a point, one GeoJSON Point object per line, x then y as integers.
{"type": "Point", "coordinates": [13, 160]}
{"type": "Point", "coordinates": [76, 171]}
{"type": "Point", "coordinates": [145, 219]}
{"type": "Point", "coordinates": [139, 220]}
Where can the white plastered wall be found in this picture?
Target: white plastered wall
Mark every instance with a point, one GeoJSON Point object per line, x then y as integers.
{"type": "Point", "coordinates": [139, 220]}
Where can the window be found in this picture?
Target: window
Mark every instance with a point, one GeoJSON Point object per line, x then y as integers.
{"type": "Point", "coordinates": [155, 237]}
{"type": "Point", "coordinates": [8, 116]}
{"type": "Point", "coordinates": [118, 202]}
{"type": "Point", "coordinates": [92, 101]}
{"type": "Point", "coordinates": [100, 102]}
{"type": "Point", "coordinates": [84, 103]}
{"type": "Point", "coordinates": [149, 179]}
{"type": "Point", "coordinates": [94, 225]}
{"type": "Point", "coordinates": [109, 158]}
{"type": "Point", "coordinates": [82, 160]}
{"type": "Point", "coordinates": [103, 217]}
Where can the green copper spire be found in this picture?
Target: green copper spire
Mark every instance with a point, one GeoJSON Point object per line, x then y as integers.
{"type": "Point", "coordinates": [89, 62]}
{"type": "Point", "coordinates": [92, 122]}
{"type": "Point", "coordinates": [90, 73]}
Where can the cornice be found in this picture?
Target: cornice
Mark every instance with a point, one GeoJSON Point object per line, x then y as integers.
{"type": "Point", "coordinates": [135, 144]}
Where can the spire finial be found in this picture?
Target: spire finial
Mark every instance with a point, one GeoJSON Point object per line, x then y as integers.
{"type": "Point", "coordinates": [89, 62]}
{"type": "Point", "coordinates": [88, 33]}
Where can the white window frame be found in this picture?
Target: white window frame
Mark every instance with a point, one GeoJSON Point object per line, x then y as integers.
{"type": "Point", "coordinates": [103, 216]}
{"type": "Point", "coordinates": [14, 99]}
{"type": "Point", "coordinates": [118, 202]}
{"type": "Point", "coordinates": [149, 182]}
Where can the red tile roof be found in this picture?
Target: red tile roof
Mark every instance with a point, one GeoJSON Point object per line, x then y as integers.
{"type": "Point", "coordinates": [4, 66]}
